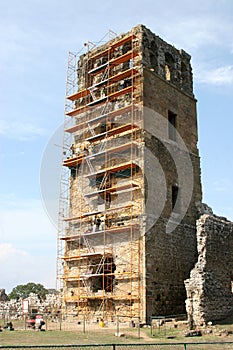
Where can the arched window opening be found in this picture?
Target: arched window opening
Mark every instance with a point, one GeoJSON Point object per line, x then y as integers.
{"type": "Point", "coordinates": [169, 66]}
{"type": "Point", "coordinates": [167, 72]}
{"type": "Point", "coordinates": [153, 55]}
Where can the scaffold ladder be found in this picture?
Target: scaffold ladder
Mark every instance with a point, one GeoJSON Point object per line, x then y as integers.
{"type": "Point", "coordinates": [86, 287]}
{"type": "Point", "coordinates": [90, 165]}
{"type": "Point", "coordinates": [103, 146]}
{"type": "Point", "coordinates": [89, 247]}
{"type": "Point", "coordinates": [103, 182]}
{"type": "Point", "coordinates": [100, 265]}
{"type": "Point", "coordinates": [91, 129]}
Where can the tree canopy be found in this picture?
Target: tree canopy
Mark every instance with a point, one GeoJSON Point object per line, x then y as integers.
{"type": "Point", "coordinates": [23, 291]}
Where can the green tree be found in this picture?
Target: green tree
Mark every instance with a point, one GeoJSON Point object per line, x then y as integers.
{"type": "Point", "coordinates": [24, 290]}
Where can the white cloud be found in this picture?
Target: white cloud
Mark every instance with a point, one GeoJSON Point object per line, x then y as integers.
{"type": "Point", "coordinates": [216, 76]}
{"type": "Point", "coordinates": [193, 31]}
{"type": "Point", "coordinates": [25, 44]}
{"type": "Point", "coordinates": [206, 35]}
{"type": "Point", "coordinates": [7, 251]}
{"type": "Point", "coordinates": [21, 267]}
{"type": "Point", "coordinates": [28, 243]}
{"type": "Point", "coordinates": [21, 131]}
{"type": "Point", "coordinates": [25, 222]}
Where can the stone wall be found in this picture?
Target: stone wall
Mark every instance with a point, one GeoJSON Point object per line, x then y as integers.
{"type": "Point", "coordinates": [209, 288]}
{"type": "Point", "coordinates": [166, 61]}
{"type": "Point", "coordinates": [13, 308]}
{"type": "Point", "coordinates": [169, 163]}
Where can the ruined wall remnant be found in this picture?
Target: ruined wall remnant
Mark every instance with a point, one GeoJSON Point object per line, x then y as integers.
{"type": "Point", "coordinates": [3, 296]}
{"type": "Point", "coordinates": [12, 309]}
{"type": "Point", "coordinates": [209, 288]}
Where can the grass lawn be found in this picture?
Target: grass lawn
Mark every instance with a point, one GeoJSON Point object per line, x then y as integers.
{"type": "Point", "coordinates": [106, 335]}
{"type": "Point", "coordinates": [30, 337]}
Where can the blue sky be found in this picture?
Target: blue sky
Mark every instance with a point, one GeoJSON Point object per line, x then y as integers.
{"type": "Point", "coordinates": [35, 37]}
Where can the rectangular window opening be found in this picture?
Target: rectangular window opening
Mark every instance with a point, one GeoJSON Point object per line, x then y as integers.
{"type": "Point", "coordinates": [175, 204]}
{"type": "Point", "coordinates": [172, 119]}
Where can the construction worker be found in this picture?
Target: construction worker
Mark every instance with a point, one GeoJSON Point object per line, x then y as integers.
{"type": "Point", "coordinates": [122, 84]}
{"type": "Point", "coordinates": [72, 150]}
{"type": "Point", "coordinates": [102, 222]}
{"type": "Point", "coordinates": [96, 223]}
{"type": "Point", "coordinates": [103, 92]}
{"type": "Point", "coordinates": [78, 149]}
{"type": "Point", "coordinates": [90, 149]}
{"type": "Point", "coordinates": [86, 148]}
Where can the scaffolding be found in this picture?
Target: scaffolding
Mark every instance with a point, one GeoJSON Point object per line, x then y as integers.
{"type": "Point", "coordinates": [99, 265]}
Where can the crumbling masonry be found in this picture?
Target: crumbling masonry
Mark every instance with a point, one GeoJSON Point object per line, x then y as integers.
{"type": "Point", "coordinates": [130, 183]}
{"type": "Point", "coordinates": [209, 288]}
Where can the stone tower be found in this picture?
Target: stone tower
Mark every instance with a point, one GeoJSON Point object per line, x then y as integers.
{"type": "Point", "coordinates": [131, 179]}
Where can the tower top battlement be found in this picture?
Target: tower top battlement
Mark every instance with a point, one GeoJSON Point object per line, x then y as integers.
{"type": "Point", "coordinates": [160, 57]}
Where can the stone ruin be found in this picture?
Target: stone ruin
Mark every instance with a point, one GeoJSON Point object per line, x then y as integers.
{"type": "Point", "coordinates": [209, 288]}
{"type": "Point", "coordinates": [167, 90]}
{"type": "Point", "coordinates": [3, 295]}
{"type": "Point", "coordinates": [13, 308]}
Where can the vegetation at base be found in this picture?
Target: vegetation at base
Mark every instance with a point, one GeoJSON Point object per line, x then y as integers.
{"type": "Point", "coordinates": [23, 291]}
